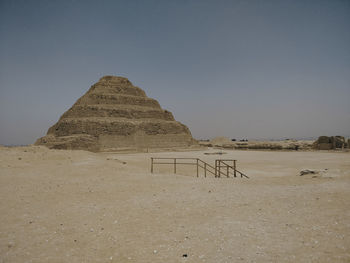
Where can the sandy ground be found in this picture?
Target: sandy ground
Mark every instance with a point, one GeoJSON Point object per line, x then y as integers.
{"type": "Point", "coordinates": [76, 206]}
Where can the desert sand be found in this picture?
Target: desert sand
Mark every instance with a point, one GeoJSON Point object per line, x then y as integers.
{"type": "Point", "coordinates": [79, 206]}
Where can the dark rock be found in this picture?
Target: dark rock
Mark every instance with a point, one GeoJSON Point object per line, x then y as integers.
{"type": "Point", "coordinates": [304, 172]}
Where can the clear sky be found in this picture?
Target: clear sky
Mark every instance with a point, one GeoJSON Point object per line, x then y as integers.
{"type": "Point", "coordinates": [242, 69]}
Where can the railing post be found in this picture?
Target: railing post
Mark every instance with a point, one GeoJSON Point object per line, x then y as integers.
{"type": "Point", "coordinates": [216, 161]}
{"type": "Point", "coordinates": [151, 165]}
{"type": "Point", "coordinates": [205, 169]}
{"type": "Point", "coordinates": [197, 167]}
{"type": "Point", "coordinates": [174, 165]}
{"type": "Point", "coordinates": [219, 168]}
{"type": "Point", "coordinates": [234, 167]}
{"type": "Point", "coordinates": [227, 175]}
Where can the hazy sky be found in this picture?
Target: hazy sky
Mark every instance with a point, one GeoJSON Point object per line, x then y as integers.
{"type": "Point", "coordinates": [242, 69]}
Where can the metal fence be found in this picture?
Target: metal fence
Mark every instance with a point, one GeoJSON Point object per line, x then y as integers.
{"type": "Point", "coordinates": [222, 167]}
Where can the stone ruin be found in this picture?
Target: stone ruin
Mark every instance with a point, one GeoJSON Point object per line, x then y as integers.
{"type": "Point", "coordinates": [331, 143]}
{"type": "Point", "coordinates": [114, 115]}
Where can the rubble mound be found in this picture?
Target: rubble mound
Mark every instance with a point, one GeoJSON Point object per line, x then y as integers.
{"type": "Point", "coordinates": [115, 115]}
{"type": "Point", "coordinates": [330, 143]}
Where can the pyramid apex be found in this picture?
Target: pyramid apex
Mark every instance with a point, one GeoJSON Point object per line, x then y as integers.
{"type": "Point", "coordinates": [113, 79]}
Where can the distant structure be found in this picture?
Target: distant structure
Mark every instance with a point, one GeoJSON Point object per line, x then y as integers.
{"type": "Point", "coordinates": [114, 115]}
{"type": "Point", "coordinates": [330, 143]}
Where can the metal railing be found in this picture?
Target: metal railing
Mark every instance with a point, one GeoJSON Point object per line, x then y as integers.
{"type": "Point", "coordinates": [221, 166]}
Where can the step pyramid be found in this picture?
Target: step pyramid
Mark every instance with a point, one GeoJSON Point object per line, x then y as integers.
{"type": "Point", "coordinates": [114, 115]}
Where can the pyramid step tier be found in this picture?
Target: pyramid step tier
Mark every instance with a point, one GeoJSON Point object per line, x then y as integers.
{"type": "Point", "coordinates": [121, 111]}
{"type": "Point", "coordinates": [117, 89]}
{"type": "Point", "coordinates": [116, 126]}
{"type": "Point", "coordinates": [117, 99]}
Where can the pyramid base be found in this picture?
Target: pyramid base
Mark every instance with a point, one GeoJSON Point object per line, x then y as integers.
{"type": "Point", "coordinates": [138, 142]}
